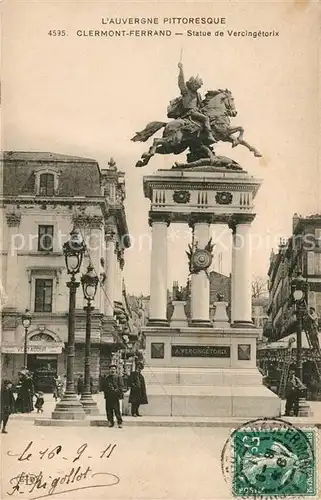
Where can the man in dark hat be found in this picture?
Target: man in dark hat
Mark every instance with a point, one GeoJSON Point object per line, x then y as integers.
{"type": "Point", "coordinates": [7, 403]}
{"type": "Point", "coordinates": [113, 392]}
{"type": "Point", "coordinates": [137, 395]}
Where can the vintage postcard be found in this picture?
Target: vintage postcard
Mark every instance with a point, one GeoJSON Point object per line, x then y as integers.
{"type": "Point", "coordinates": [160, 250]}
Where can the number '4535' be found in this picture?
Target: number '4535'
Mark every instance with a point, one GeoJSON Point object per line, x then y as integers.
{"type": "Point", "coordinates": [57, 33]}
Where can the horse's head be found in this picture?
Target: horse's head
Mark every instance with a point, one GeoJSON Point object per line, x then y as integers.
{"type": "Point", "coordinates": [229, 103]}
{"type": "Point", "coordinates": [220, 99]}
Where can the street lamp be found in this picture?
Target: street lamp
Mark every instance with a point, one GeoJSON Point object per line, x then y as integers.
{"type": "Point", "coordinates": [26, 322]}
{"type": "Point", "coordinates": [89, 282]}
{"type": "Point", "coordinates": [299, 290]}
{"type": "Point", "coordinates": [69, 407]}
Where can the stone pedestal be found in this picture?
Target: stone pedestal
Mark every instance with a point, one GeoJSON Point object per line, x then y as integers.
{"type": "Point", "coordinates": [179, 317]}
{"type": "Point", "coordinates": [220, 315]}
{"type": "Point", "coordinates": [209, 372]}
{"type": "Point", "coordinates": [203, 370]}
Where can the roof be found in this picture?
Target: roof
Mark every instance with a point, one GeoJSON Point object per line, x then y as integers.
{"type": "Point", "coordinates": [38, 156]}
{"type": "Point", "coordinates": [77, 176]}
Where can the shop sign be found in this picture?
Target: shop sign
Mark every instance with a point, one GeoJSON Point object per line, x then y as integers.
{"type": "Point", "coordinates": [201, 351]}
{"type": "Point", "coordinates": [33, 349]}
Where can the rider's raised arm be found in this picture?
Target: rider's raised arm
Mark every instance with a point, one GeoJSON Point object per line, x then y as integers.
{"type": "Point", "coordinates": [181, 79]}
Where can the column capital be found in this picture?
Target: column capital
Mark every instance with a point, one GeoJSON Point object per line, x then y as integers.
{"type": "Point", "coordinates": [154, 216]}
{"type": "Point", "coordinates": [237, 219]}
{"type": "Point", "coordinates": [13, 219]}
{"type": "Point", "coordinates": [198, 218]}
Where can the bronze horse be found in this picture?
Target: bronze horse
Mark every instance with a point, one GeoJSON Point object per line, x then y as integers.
{"type": "Point", "coordinates": [181, 133]}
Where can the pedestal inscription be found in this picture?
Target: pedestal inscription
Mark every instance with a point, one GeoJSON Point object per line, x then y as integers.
{"type": "Point", "coordinates": [204, 351]}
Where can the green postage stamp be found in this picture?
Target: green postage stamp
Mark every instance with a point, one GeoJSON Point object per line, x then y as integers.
{"type": "Point", "coordinates": [271, 458]}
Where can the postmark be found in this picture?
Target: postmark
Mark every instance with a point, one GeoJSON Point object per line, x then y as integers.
{"type": "Point", "coordinates": [270, 458]}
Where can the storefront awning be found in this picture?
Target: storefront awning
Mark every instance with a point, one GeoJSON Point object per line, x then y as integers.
{"type": "Point", "coordinates": [289, 340]}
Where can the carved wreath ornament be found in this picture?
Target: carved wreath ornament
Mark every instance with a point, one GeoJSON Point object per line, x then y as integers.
{"type": "Point", "coordinates": [223, 198]}
{"type": "Point", "coordinates": [181, 196]}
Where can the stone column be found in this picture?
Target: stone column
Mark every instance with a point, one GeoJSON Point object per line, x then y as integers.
{"type": "Point", "coordinates": [232, 305]}
{"type": "Point", "coordinates": [158, 269]}
{"type": "Point", "coordinates": [110, 238]}
{"type": "Point", "coordinates": [13, 221]}
{"type": "Point", "coordinates": [242, 272]}
{"type": "Point", "coordinates": [200, 285]}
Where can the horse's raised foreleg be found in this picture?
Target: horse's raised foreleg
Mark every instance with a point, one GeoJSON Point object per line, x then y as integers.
{"type": "Point", "coordinates": [150, 153]}
{"type": "Point", "coordinates": [239, 140]}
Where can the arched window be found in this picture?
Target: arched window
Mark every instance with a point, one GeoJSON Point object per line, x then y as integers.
{"type": "Point", "coordinates": [47, 184]}
{"type": "Point", "coordinates": [42, 337]}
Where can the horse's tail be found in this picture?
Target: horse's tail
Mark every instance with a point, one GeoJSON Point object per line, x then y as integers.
{"type": "Point", "coordinates": [150, 129]}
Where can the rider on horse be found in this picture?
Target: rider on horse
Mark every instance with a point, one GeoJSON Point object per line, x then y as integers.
{"type": "Point", "coordinates": [189, 104]}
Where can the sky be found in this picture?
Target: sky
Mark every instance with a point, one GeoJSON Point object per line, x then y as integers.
{"type": "Point", "coordinates": [87, 96]}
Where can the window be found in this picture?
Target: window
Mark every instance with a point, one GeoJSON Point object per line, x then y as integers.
{"type": "Point", "coordinates": [47, 185]}
{"type": "Point", "coordinates": [45, 238]}
{"type": "Point", "coordinates": [43, 295]}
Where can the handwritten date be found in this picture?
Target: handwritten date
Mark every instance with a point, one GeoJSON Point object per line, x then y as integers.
{"type": "Point", "coordinates": [51, 452]}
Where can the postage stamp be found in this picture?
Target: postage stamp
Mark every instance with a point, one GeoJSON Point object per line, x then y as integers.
{"type": "Point", "coordinates": [271, 458]}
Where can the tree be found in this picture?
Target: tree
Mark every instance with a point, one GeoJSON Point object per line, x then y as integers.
{"type": "Point", "coordinates": [259, 287]}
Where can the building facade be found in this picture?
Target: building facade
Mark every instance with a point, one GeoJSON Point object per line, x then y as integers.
{"type": "Point", "coordinates": [301, 252]}
{"type": "Point", "coordinates": [45, 196]}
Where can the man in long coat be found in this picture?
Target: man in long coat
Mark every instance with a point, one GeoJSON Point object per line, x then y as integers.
{"type": "Point", "coordinates": [7, 403]}
{"type": "Point", "coordinates": [113, 392]}
{"type": "Point", "coordinates": [137, 395]}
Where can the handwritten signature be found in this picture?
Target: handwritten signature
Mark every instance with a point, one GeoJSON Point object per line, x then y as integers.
{"type": "Point", "coordinates": [27, 482]}
{"type": "Point", "coordinates": [51, 452]}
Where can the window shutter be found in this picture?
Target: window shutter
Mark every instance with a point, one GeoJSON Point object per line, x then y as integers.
{"type": "Point", "coordinates": [317, 259]}
{"type": "Point", "coordinates": [310, 262]}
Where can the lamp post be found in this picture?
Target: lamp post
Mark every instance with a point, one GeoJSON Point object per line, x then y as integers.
{"type": "Point", "coordinates": [26, 322]}
{"type": "Point", "coordinates": [89, 282]}
{"type": "Point", "coordinates": [69, 407]}
{"type": "Point", "coordinates": [299, 289]}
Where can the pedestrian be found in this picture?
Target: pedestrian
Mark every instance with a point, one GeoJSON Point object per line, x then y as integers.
{"type": "Point", "coordinates": [313, 389]}
{"type": "Point", "coordinates": [64, 385]}
{"type": "Point", "coordinates": [7, 403]}
{"type": "Point", "coordinates": [137, 395]}
{"type": "Point", "coordinates": [39, 402]}
{"type": "Point", "coordinates": [80, 385]}
{"type": "Point", "coordinates": [57, 387]}
{"type": "Point", "coordinates": [113, 392]}
{"type": "Point", "coordinates": [25, 392]}
{"type": "Point", "coordinates": [293, 388]}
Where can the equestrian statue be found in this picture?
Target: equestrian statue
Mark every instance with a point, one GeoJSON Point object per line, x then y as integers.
{"type": "Point", "coordinates": [197, 124]}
